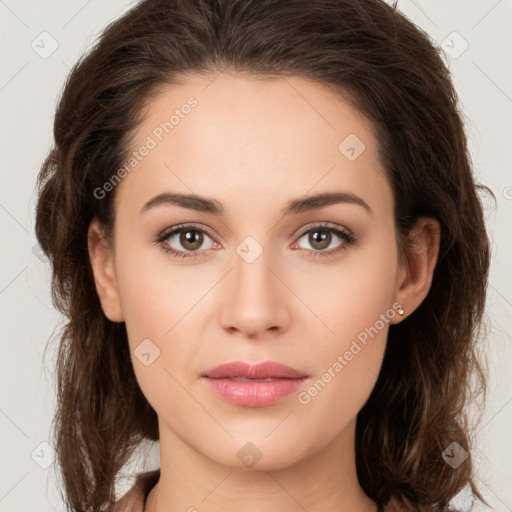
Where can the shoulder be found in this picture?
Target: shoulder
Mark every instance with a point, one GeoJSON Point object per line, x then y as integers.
{"type": "Point", "coordinates": [135, 498]}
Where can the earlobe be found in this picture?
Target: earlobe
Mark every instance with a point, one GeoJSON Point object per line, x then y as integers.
{"type": "Point", "coordinates": [101, 257]}
{"type": "Point", "coordinates": [414, 278]}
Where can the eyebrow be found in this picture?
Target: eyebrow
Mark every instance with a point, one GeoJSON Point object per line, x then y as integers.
{"type": "Point", "coordinates": [293, 207]}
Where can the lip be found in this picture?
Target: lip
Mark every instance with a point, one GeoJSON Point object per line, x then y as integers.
{"type": "Point", "coordinates": [258, 371]}
{"type": "Point", "coordinates": [225, 381]}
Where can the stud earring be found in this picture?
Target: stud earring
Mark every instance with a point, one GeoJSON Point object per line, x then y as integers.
{"type": "Point", "coordinates": [401, 311]}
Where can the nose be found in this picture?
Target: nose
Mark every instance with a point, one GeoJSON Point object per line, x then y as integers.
{"type": "Point", "coordinates": [255, 300]}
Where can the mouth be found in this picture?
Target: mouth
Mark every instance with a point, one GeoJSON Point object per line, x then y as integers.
{"type": "Point", "coordinates": [259, 385]}
{"type": "Point", "coordinates": [243, 379]}
{"type": "Point", "coordinates": [261, 371]}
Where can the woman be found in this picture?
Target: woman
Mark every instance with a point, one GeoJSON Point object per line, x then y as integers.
{"type": "Point", "coordinates": [267, 239]}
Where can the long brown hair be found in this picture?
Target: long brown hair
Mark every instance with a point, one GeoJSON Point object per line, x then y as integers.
{"type": "Point", "coordinates": [389, 70]}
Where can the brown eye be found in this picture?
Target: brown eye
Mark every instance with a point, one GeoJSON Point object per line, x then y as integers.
{"type": "Point", "coordinates": [185, 241]}
{"type": "Point", "coordinates": [320, 239]}
{"type": "Point", "coordinates": [191, 239]}
{"type": "Point", "coordinates": [188, 241]}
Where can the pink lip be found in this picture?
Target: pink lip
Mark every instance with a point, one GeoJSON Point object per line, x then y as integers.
{"type": "Point", "coordinates": [284, 380]}
{"type": "Point", "coordinates": [257, 371]}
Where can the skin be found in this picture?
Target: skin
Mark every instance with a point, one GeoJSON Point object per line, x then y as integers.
{"type": "Point", "coordinates": [253, 145]}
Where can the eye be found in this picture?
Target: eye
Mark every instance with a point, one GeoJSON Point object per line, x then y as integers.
{"type": "Point", "coordinates": [186, 241]}
{"type": "Point", "coordinates": [321, 236]}
{"type": "Point", "coordinates": [191, 238]}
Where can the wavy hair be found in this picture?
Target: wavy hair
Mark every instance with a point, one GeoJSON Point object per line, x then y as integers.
{"type": "Point", "coordinates": [388, 69]}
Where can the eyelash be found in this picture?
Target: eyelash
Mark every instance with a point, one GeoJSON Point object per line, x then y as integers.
{"type": "Point", "coordinates": [348, 239]}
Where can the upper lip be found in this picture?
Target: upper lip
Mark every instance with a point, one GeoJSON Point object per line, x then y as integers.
{"type": "Point", "coordinates": [263, 370]}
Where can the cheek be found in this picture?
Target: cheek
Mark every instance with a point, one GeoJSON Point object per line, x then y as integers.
{"type": "Point", "coordinates": [350, 296]}
{"type": "Point", "coordinates": [160, 308]}
{"type": "Point", "coordinates": [354, 304]}
{"type": "Point", "coordinates": [154, 295]}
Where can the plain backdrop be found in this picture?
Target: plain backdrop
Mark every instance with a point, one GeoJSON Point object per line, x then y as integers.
{"type": "Point", "coordinates": [40, 41]}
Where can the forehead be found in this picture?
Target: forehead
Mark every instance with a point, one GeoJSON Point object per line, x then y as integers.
{"type": "Point", "coordinates": [241, 136]}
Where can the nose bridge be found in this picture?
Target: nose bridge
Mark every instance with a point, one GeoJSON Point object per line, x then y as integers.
{"type": "Point", "coordinates": [252, 261]}
{"type": "Point", "coordinates": [254, 298]}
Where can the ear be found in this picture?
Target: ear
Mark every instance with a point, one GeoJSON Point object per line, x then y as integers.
{"type": "Point", "coordinates": [102, 261]}
{"type": "Point", "coordinates": [414, 277]}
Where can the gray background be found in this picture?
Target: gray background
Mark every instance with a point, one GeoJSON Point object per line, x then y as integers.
{"type": "Point", "coordinates": [40, 43]}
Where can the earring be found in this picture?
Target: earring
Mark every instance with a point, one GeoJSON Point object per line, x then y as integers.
{"type": "Point", "coordinates": [401, 311]}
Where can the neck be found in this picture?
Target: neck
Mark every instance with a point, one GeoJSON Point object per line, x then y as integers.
{"type": "Point", "coordinates": [325, 480]}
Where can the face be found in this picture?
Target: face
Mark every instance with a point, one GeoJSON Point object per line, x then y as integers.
{"type": "Point", "coordinates": [312, 289]}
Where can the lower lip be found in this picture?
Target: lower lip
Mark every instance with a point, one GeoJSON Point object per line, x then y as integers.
{"type": "Point", "coordinates": [253, 394]}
